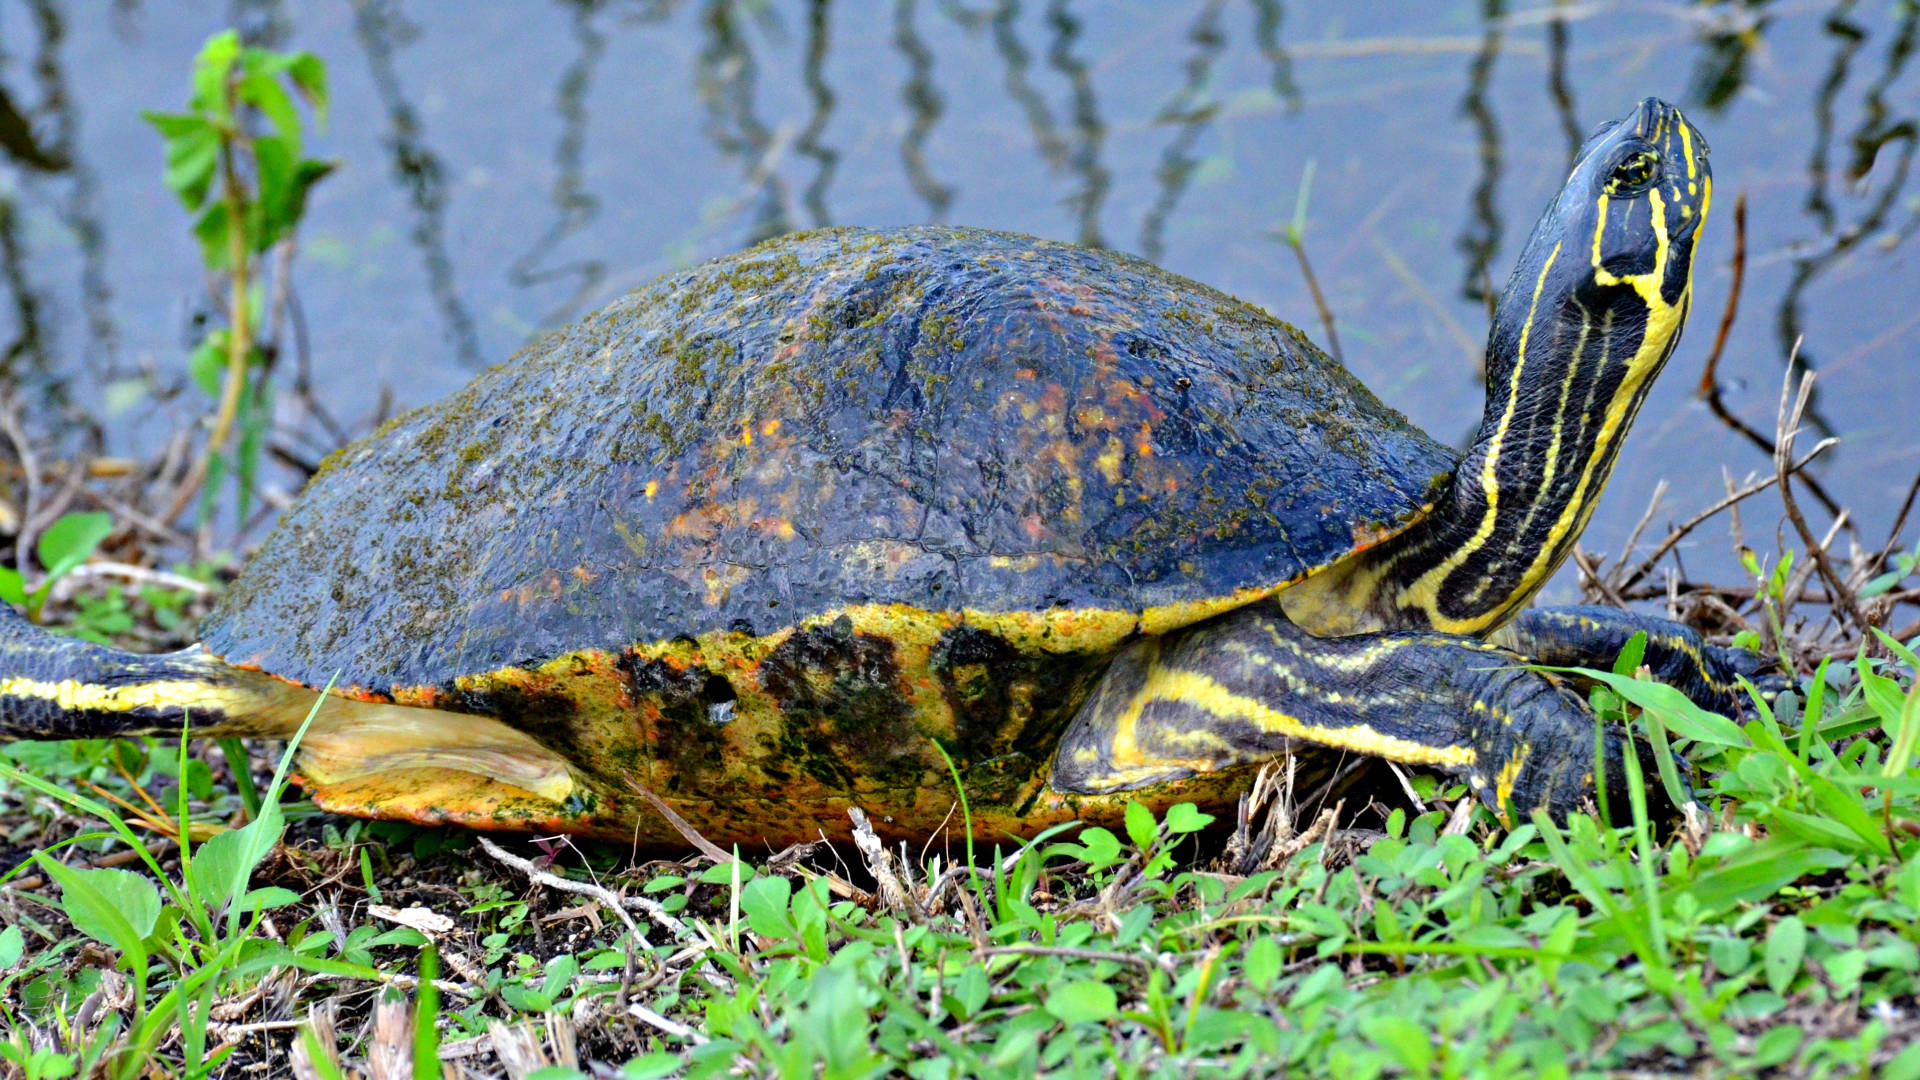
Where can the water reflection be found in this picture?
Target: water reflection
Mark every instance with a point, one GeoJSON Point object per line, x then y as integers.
{"type": "Point", "coordinates": [1480, 237]}
{"type": "Point", "coordinates": [924, 106]}
{"type": "Point", "coordinates": [1434, 127]}
{"type": "Point", "coordinates": [1088, 134]}
{"type": "Point", "coordinates": [1191, 111]}
{"type": "Point", "coordinates": [380, 29]}
{"type": "Point", "coordinates": [1268, 16]}
{"type": "Point", "coordinates": [726, 75]}
{"type": "Point", "coordinates": [1557, 88]}
{"type": "Point", "coordinates": [1881, 145]}
{"type": "Point", "coordinates": [820, 95]}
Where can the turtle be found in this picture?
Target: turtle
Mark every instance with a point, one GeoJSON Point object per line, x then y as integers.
{"type": "Point", "coordinates": [883, 517]}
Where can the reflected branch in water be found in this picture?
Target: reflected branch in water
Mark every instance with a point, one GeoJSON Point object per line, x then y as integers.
{"type": "Point", "coordinates": [1851, 37]}
{"type": "Point", "coordinates": [27, 343]}
{"type": "Point", "coordinates": [574, 206]}
{"type": "Point", "coordinates": [924, 103]}
{"type": "Point", "coordinates": [1557, 87]}
{"type": "Point", "coordinates": [380, 28]}
{"type": "Point", "coordinates": [1089, 132]}
{"type": "Point", "coordinates": [1879, 130]}
{"type": "Point", "coordinates": [77, 210]}
{"type": "Point", "coordinates": [1003, 23]}
{"type": "Point", "coordinates": [1268, 15]}
{"type": "Point", "coordinates": [1725, 49]}
{"type": "Point", "coordinates": [813, 73]}
{"type": "Point", "coordinates": [1193, 108]}
{"type": "Point", "coordinates": [1480, 239]}
{"type": "Point", "coordinates": [725, 76]}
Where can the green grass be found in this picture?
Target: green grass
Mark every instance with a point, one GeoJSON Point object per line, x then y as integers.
{"type": "Point", "coordinates": [1777, 932]}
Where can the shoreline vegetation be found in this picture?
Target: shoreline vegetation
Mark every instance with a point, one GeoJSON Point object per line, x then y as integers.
{"type": "Point", "coordinates": [179, 910]}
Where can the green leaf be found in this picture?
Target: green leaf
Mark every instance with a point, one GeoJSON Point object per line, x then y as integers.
{"type": "Point", "coordinates": [1681, 716]}
{"type": "Point", "coordinates": [1100, 848]}
{"type": "Point", "coordinates": [211, 228]}
{"type": "Point", "coordinates": [13, 587]}
{"type": "Point", "coordinates": [1140, 826]}
{"type": "Point", "coordinates": [117, 908]}
{"type": "Point", "coordinates": [1403, 1038]}
{"type": "Point", "coordinates": [1262, 963]}
{"type": "Point", "coordinates": [1904, 1066]}
{"type": "Point", "coordinates": [1786, 946]}
{"type": "Point", "coordinates": [210, 71]}
{"type": "Point", "coordinates": [223, 866]}
{"type": "Point", "coordinates": [208, 364]}
{"type": "Point", "coordinates": [1083, 1001]}
{"type": "Point", "coordinates": [651, 1066]}
{"type": "Point", "coordinates": [1632, 655]}
{"type": "Point", "coordinates": [1186, 818]}
{"type": "Point", "coordinates": [260, 89]}
{"type": "Point", "coordinates": [765, 901]}
{"type": "Point", "coordinates": [722, 873]}
{"type": "Point", "coordinates": [1775, 1046]}
{"type": "Point", "coordinates": [13, 945]}
{"type": "Point", "coordinates": [192, 160]}
{"type": "Point", "coordinates": [969, 991]}
{"type": "Point", "coordinates": [67, 542]}
{"type": "Point", "coordinates": [309, 75]}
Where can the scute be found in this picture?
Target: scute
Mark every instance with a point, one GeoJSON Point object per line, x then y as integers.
{"type": "Point", "coordinates": [945, 419]}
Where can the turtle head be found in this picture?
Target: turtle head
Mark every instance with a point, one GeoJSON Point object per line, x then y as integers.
{"type": "Point", "coordinates": [1591, 314]}
{"type": "Point", "coordinates": [1611, 261]}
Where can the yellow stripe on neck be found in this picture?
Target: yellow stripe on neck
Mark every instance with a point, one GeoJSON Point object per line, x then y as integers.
{"type": "Point", "coordinates": [75, 696]}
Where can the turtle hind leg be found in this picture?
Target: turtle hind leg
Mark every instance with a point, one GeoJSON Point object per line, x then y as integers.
{"type": "Point", "coordinates": [1251, 685]}
{"type": "Point", "coordinates": [1677, 655]}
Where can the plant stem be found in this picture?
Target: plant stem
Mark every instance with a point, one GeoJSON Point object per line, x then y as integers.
{"type": "Point", "coordinates": [239, 332]}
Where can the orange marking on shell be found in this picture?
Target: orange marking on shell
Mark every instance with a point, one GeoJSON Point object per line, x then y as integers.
{"type": "Point", "coordinates": [1027, 374]}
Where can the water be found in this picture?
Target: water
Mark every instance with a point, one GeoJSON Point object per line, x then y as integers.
{"type": "Point", "coordinates": [506, 168]}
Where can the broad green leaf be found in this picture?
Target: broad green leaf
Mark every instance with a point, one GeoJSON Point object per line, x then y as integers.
{"type": "Point", "coordinates": [765, 901]}
{"type": "Point", "coordinates": [723, 873]}
{"type": "Point", "coordinates": [192, 160]}
{"type": "Point", "coordinates": [969, 992]}
{"type": "Point", "coordinates": [1681, 716]}
{"type": "Point", "coordinates": [1262, 963]}
{"type": "Point", "coordinates": [13, 945]}
{"type": "Point", "coordinates": [260, 89]}
{"type": "Point", "coordinates": [1632, 655]}
{"type": "Point", "coordinates": [68, 542]}
{"type": "Point", "coordinates": [561, 971]}
{"type": "Point", "coordinates": [1786, 946]}
{"type": "Point", "coordinates": [1140, 826]}
{"type": "Point", "coordinates": [1083, 1001]}
{"type": "Point", "coordinates": [1101, 847]}
{"type": "Point", "coordinates": [210, 71]}
{"type": "Point", "coordinates": [13, 587]}
{"type": "Point", "coordinates": [1758, 870]}
{"type": "Point", "coordinates": [117, 908]}
{"type": "Point", "coordinates": [1404, 1039]}
{"type": "Point", "coordinates": [208, 365]}
{"type": "Point", "coordinates": [309, 74]}
{"type": "Point", "coordinates": [1904, 1066]}
{"type": "Point", "coordinates": [652, 1066]}
{"type": "Point", "coordinates": [1186, 818]}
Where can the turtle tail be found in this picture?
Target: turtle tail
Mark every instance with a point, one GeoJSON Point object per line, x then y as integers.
{"type": "Point", "coordinates": [55, 687]}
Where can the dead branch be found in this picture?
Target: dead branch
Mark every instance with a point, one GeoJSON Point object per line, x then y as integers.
{"type": "Point", "coordinates": [1787, 429]}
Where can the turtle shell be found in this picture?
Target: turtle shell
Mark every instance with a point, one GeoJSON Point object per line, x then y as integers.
{"type": "Point", "coordinates": [944, 419]}
{"type": "Point", "coordinates": [785, 532]}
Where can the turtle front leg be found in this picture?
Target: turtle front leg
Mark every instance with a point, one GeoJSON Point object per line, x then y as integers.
{"type": "Point", "coordinates": [1677, 655]}
{"type": "Point", "coordinates": [1251, 685]}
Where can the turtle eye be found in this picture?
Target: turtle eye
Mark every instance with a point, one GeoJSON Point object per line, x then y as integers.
{"type": "Point", "coordinates": [1634, 172]}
